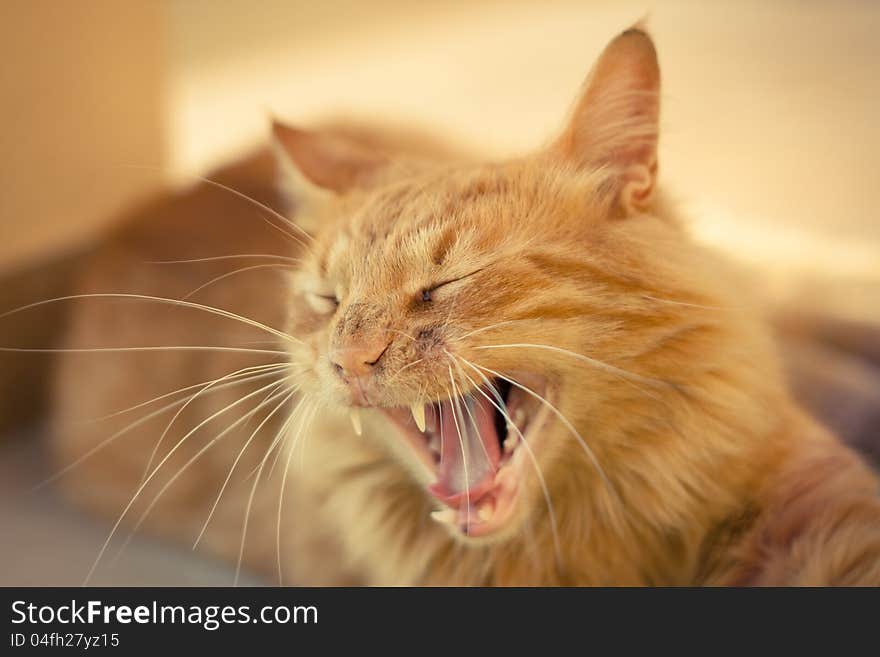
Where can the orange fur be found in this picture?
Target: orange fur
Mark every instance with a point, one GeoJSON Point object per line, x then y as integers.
{"type": "Point", "coordinates": [568, 264]}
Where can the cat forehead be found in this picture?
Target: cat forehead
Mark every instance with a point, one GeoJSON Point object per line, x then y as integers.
{"type": "Point", "coordinates": [414, 240]}
{"type": "Point", "coordinates": [410, 216]}
{"type": "Point", "coordinates": [452, 214]}
{"type": "Point", "coordinates": [467, 199]}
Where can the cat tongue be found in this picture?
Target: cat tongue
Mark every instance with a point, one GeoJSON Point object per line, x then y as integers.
{"type": "Point", "coordinates": [469, 450]}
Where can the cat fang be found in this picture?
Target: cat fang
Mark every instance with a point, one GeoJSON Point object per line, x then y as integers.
{"type": "Point", "coordinates": [475, 448]}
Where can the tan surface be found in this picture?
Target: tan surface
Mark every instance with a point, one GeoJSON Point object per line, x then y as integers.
{"type": "Point", "coordinates": [47, 543]}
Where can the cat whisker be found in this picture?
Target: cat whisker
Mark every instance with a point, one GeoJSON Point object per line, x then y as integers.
{"type": "Point", "coordinates": [489, 328]}
{"type": "Point", "coordinates": [123, 411]}
{"type": "Point", "coordinates": [440, 415]}
{"type": "Point", "coordinates": [620, 373]}
{"type": "Point", "coordinates": [302, 444]}
{"type": "Point", "coordinates": [264, 341]}
{"type": "Point", "coordinates": [279, 436]}
{"type": "Point", "coordinates": [233, 273]}
{"type": "Point", "coordinates": [278, 518]}
{"type": "Point", "coordinates": [288, 393]}
{"type": "Point", "coordinates": [406, 335]}
{"type": "Point", "coordinates": [589, 452]}
{"type": "Point", "coordinates": [404, 368]}
{"type": "Point", "coordinates": [183, 408]}
{"type": "Point", "coordinates": [196, 457]}
{"type": "Point", "coordinates": [164, 460]}
{"type": "Point", "coordinates": [502, 408]}
{"type": "Point", "coordinates": [452, 308]}
{"type": "Point", "coordinates": [104, 443]}
{"type": "Point", "coordinates": [183, 347]}
{"type": "Point", "coordinates": [694, 305]}
{"type": "Point", "coordinates": [234, 256]}
{"type": "Point", "coordinates": [277, 452]}
{"type": "Point", "coordinates": [287, 222]}
{"type": "Point", "coordinates": [174, 302]}
{"type": "Point", "coordinates": [467, 485]}
{"type": "Point", "coordinates": [303, 427]}
{"type": "Point", "coordinates": [466, 407]}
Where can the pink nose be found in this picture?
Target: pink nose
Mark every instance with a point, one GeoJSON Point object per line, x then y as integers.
{"type": "Point", "coordinates": [359, 358]}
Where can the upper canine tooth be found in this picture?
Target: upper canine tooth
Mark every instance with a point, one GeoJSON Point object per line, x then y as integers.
{"type": "Point", "coordinates": [355, 415]}
{"type": "Point", "coordinates": [418, 413]}
{"type": "Point", "coordinates": [444, 516]}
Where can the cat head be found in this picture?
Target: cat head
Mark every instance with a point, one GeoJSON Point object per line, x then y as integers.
{"type": "Point", "coordinates": [495, 313]}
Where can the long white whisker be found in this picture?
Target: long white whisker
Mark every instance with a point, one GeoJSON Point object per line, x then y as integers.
{"type": "Point", "coordinates": [250, 501]}
{"type": "Point", "coordinates": [289, 393]}
{"type": "Point", "coordinates": [302, 443]}
{"type": "Point", "coordinates": [305, 422]}
{"type": "Point", "coordinates": [406, 335]}
{"type": "Point", "coordinates": [405, 367]}
{"type": "Point", "coordinates": [119, 433]}
{"type": "Point", "coordinates": [587, 359]}
{"type": "Point", "coordinates": [489, 328]}
{"type": "Point", "coordinates": [561, 417]}
{"type": "Point", "coordinates": [693, 305]}
{"type": "Point", "coordinates": [234, 256]}
{"type": "Point", "coordinates": [467, 408]}
{"type": "Point", "coordinates": [178, 391]}
{"type": "Point", "coordinates": [440, 414]}
{"type": "Point", "coordinates": [620, 373]}
{"type": "Point", "coordinates": [193, 398]}
{"type": "Point", "coordinates": [544, 488]}
{"type": "Point", "coordinates": [146, 481]}
{"type": "Point", "coordinates": [97, 350]}
{"type": "Point", "coordinates": [174, 302]}
{"type": "Point", "coordinates": [217, 279]}
{"type": "Point", "coordinates": [467, 484]}
{"type": "Point", "coordinates": [195, 457]}
{"type": "Point", "coordinates": [277, 455]}
{"type": "Point", "coordinates": [263, 206]}
{"type": "Point", "coordinates": [245, 197]}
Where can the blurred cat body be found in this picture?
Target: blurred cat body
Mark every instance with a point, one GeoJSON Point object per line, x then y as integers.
{"type": "Point", "coordinates": [659, 444]}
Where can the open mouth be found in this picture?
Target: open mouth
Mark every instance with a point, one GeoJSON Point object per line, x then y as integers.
{"type": "Point", "coordinates": [473, 446]}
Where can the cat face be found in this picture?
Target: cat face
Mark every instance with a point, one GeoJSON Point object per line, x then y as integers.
{"type": "Point", "coordinates": [461, 302]}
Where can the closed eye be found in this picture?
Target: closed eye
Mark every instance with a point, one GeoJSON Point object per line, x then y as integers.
{"type": "Point", "coordinates": [322, 303]}
{"type": "Point", "coordinates": [428, 291]}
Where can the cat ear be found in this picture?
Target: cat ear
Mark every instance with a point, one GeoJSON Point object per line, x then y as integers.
{"type": "Point", "coordinates": [615, 121]}
{"type": "Point", "coordinates": [316, 166]}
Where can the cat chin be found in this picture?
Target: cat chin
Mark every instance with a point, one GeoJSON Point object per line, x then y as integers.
{"type": "Point", "coordinates": [481, 460]}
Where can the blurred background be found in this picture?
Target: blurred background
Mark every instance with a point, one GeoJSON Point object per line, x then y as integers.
{"type": "Point", "coordinates": [770, 141]}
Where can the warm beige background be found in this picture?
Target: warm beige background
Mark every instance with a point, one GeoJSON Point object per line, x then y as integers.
{"type": "Point", "coordinates": [770, 132]}
{"type": "Point", "coordinates": [81, 93]}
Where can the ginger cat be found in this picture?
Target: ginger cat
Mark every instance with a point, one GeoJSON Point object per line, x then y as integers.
{"type": "Point", "coordinates": [437, 370]}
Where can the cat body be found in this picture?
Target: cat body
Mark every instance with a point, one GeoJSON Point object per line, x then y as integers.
{"type": "Point", "coordinates": [464, 373]}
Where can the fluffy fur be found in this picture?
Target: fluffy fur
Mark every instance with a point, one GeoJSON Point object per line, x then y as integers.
{"type": "Point", "coordinates": [677, 456]}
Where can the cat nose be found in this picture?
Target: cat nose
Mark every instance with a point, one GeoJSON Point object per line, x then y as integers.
{"type": "Point", "coordinates": [359, 359]}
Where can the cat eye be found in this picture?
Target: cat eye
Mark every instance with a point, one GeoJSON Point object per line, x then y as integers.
{"type": "Point", "coordinates": [427, 293]}
{"type": "Point", "coordinates": [322, 303]}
